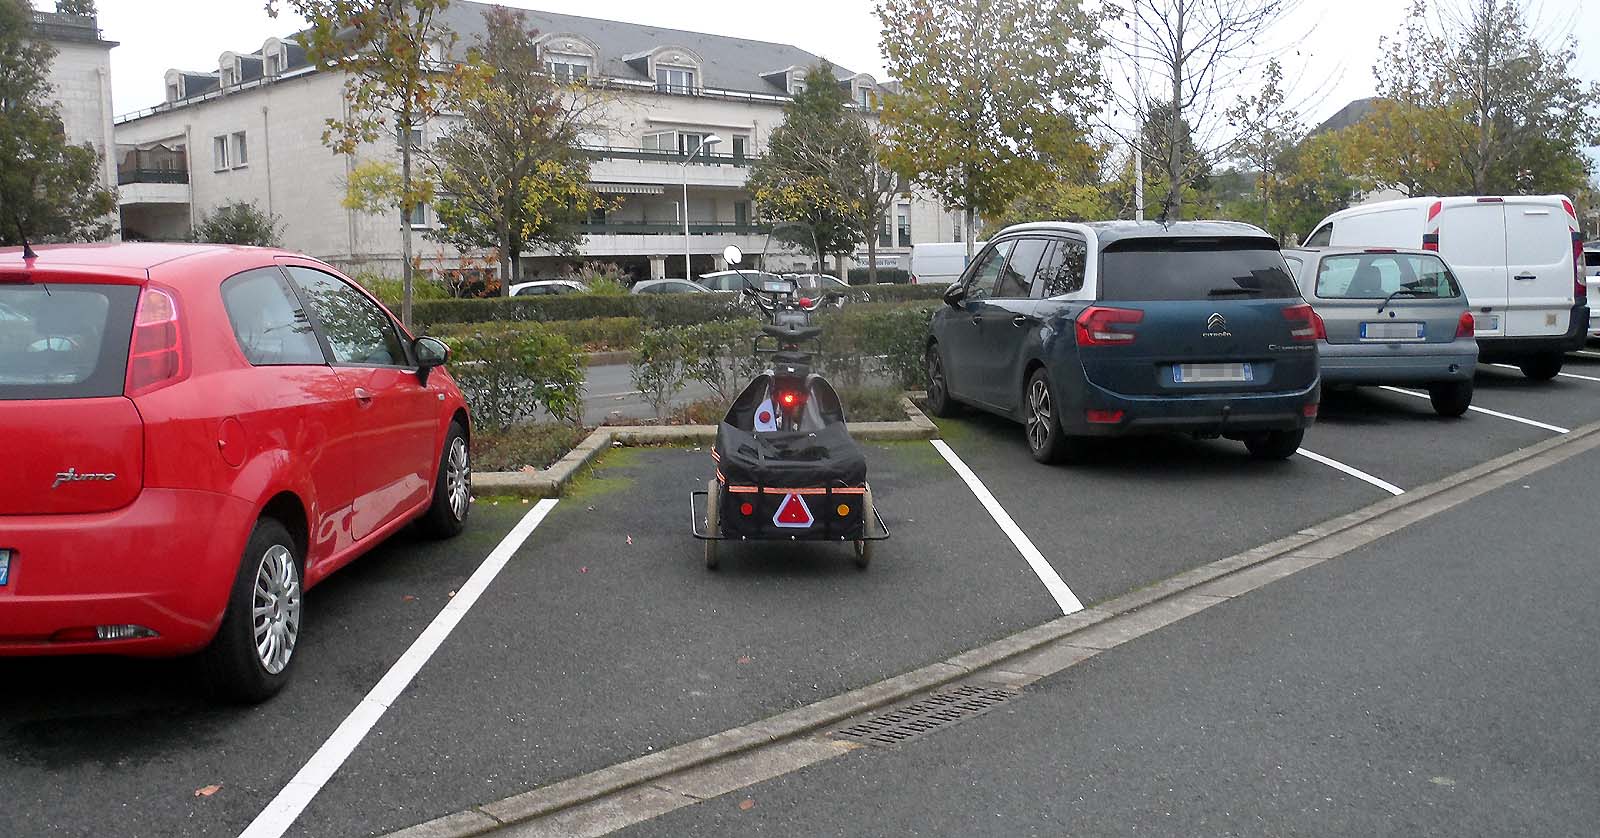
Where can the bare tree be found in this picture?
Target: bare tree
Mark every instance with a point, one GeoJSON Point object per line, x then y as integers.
{"type": "Point", "coordinates": [1196, 49]}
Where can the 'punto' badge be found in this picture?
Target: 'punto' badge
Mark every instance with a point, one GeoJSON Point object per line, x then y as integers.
{"type": "Point", "coordinates": [71, 475]}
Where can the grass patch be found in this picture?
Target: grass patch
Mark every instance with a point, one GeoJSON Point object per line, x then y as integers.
{"type": "Point", "coordinates": [605, 476]}
{"type": "Point", "coordinates": [537, 445]}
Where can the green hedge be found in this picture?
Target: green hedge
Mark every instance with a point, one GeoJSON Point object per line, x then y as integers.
{"type": "Point", "coordinates": [655, 310]}
{"type": "Point", "coordinates": [592, 334]}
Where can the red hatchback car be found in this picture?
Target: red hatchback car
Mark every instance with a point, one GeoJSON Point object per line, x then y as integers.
{"type": "Point", "coordinates": [197, 434]}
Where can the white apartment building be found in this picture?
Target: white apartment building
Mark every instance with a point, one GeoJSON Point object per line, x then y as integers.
{"type": "Point", "coordinates": [80, 82]}
{"type": "Point", "coordinates": [252, 130]}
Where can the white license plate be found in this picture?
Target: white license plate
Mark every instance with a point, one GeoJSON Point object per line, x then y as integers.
{"type": "Point", "coordinates": [5, 566]}
{"type": "Point", "coordinates": [1211, 373]}
{"type": "Point", "coordinates": [1486, 322]}
{"type": "Point", "coordinates": [1392, 331]}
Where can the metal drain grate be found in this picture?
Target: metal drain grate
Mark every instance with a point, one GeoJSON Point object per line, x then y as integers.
{"type": "Point", "coordinates": [943, 708]}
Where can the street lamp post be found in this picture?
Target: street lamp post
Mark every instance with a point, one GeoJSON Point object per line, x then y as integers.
{"type": "Point", "coordinates": [707, 141]}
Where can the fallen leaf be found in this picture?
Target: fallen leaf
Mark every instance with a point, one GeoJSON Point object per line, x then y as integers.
{"type": "Point", "coordinates": [524, 501]}
{"type": "Point", "coordinates": [744, 658]}
{"type": "Point", "coordinates": [207, 791]}
{"type": "Point", "coordinates": [630, 539]}
{"type": "Point", "coordinates": [746, 805]}
{"type": "Point", "coordinates": [529, 470]}
{"type": "Point", "coordinates": [452, 594]}
{"type": "Point", "coordinates": [583, 570]}
{"type": "Point", "coordinates": [408, 598]}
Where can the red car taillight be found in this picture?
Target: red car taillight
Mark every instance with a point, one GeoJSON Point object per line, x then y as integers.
{"type": "Point", "coordinates": [1304, 324]}
{"type": "Point", "coordinates": [1097, 326]}
{"type": "Point", "coordinates": [158, 356]}
{"type": "Point", "coordinates": [1466, 327]}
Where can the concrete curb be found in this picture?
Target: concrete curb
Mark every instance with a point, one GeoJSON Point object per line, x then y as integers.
{"type": "Point", "coordinates": [606, 359]}
{"type": "Point", "coordinates": [552, 482]}
{"type": "Point", "coordinates": [1035, 652]}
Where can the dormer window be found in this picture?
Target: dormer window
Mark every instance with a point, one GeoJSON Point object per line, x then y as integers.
{"type": "Point", "coordinates": [229, 76]}
{"type": "Point", "coordinates": [675, 79]}
{"type": "Point", "coordinates": [864, 97]}
{"type": "Point", "coordinates": [568, 68]}
{"type": "Point", "coordinates": [273, 66]}
{"type": "Point", "coordinates": [174, 92]}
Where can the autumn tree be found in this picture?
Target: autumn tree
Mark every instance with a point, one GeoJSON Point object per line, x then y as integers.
{"type": "Point", "coordinates": [50, 189]}
{"type": "Point", "coordinates": [392, 55]}
{"type": "Point", "coordinates": [509, 175]}
{"type": "Point", "coordinates": [810, 170]}
{"type": "Point", "coordinates": [1197, 48]}
{"type": "Point", "coordinates": [1268, 130]}
{"type": "Point", "coordinates": [989, 90]}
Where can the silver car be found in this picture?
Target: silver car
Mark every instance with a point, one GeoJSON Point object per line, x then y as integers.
{"type": "Point", "coordinates": [1396, 317]}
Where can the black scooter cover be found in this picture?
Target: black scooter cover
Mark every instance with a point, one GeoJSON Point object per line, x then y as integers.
{"type": "Point", "coordinates": [822, 457]}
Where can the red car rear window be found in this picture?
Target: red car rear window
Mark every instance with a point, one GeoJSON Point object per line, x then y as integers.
{"type": "Point", "coordinates": [64, 341]}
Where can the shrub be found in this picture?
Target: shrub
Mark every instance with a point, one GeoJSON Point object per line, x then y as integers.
{"type": "Point", "coordinates": [653, 309]}
{"type": "Point", "coordinates": [388, 290]}
{"type": "Point", "coordinates": [718, 354]}
{"type": "Point", "coordinates": [538, 445]}
{"type": "Point", "coordinates": [603, 278]}
{"type": "Point", "coordinates": [660, 367]}
{"type": "Point", "coordinates": [872, 404]}
{"type": "Point", "coordinates": [511, 371]}
{"type": "Point", "coordinates": [864, 336]}
{"type": "Point", "coordinates": [599, 334]}
{"type": "Point", "coordinates": [238, 222]}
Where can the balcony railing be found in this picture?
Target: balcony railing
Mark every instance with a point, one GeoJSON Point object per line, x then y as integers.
{"type": "Point", "coordinates": [67, 27]}
{"type": "Point", "coordinates": [127, 176]}
{"type": "Point", "coordinates": [704, 158]}
{"type": "Point", "coordinates": [626, 228]}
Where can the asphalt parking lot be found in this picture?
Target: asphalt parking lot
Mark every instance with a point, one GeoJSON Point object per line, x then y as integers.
{"type": "Point", "coordinates": [604, 638]}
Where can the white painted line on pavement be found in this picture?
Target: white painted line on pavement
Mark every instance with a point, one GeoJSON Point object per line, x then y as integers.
{"type": "Point", "coordinates": [1352, 471]}
{"type": "Point", "coordinates": [1586, 353]}
{"type": "Point", "coordinates": [1562, 374]}
{"type": "Point", "coordinates": [1487, 412]}
{"type": "Point", "coordinates": [281, 813]}
{"type": "Point", "coordinates": [1052, 581]}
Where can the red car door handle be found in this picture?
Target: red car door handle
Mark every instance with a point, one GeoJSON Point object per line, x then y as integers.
{"type": "Point", "coordinates": [364, 397]}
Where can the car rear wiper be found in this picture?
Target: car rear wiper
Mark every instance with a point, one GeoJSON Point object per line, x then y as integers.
{"type": "Point", "coordinates": [1410, 292]}
{"type": "Point", "coordinates": [1229, 292]}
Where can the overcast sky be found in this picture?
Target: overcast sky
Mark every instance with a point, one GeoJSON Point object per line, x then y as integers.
{"type": "Point", "coordinates": [1336, 39]}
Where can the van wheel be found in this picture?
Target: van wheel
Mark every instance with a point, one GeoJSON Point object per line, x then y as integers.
{"type": "Point", "coordinates": [452, 488]}
{"type": "Point", "coordinates": [1274, 445]}
{"type": "Point", "coordinates": [939, 402]}
{"type": "Point", "coordinates": [252, 655]}
{"type": "Point", "coordinates": [1451, 398]}
{"type": "Point", "coordinates": [1543, 367]}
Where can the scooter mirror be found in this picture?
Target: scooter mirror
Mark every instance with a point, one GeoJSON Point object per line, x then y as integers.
{"type": "Point", "coordinates": [732, 254]}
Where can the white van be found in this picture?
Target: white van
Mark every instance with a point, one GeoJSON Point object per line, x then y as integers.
{"type": "Point", "coordinates": [1520, 259]}
{"type": "Point", "coordinates": [940, 263]}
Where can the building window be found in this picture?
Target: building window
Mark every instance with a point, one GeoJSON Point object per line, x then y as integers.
{"type": "Point", "coordinates": [903, 224]}
{"type": "Point", "coordinates": [568, 68]}
{"type": "Point", "coordinates": [957, 237]}
{"type": "Point", "coordinates": [886, 234]}
{"type": "Point", "coordinates": [219, 153]}
{"type": "Point", "coordinates": [689, 143]}
{"type": "Point", "coordinates": [418, 216]}
{"type": "Point", "coordinates": [660, 141]}
{"type": "Point", "coordinates": [415, 134]}
{"type": "Point", "coordinates": [797, 84]}
{"type": "Point", "coordinates": [864, 97]}
{"type": "Point", "coordinates": [241, 150]}
{"type": "Point", "coordinates": [228, 77]}
{"type": "Point", "coordinates": [741, 213]}
{"type": "Point", "coordinates": [674, 80]}
{"type": "Point", "coordinates": [741, 147]}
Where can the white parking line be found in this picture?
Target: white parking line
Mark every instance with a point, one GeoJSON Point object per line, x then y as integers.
{"type": "Point", "coordinates": [1487, 412]}
{"type": "Point", "coordinates": [1052, 581]}
{"type": "Point", "coordinates": [1352, 471]}
{"type": "Point", "coordinates": [1562, 374]}
{"type": "Point", "coordinates": [1587, 354]}
{"type": "Point", "coordinates": [281, 813]}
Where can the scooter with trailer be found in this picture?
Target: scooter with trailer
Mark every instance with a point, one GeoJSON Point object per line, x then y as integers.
{"type": "Point", "coordinates": [786, 468]}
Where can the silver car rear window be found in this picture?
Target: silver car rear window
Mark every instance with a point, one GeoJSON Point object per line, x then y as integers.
{"type": "Point", "coordinates": [1376, 276]}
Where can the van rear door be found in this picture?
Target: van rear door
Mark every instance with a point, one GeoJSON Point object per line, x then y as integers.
{"type": "Point", "coordinates": [1472, 240]}
{"type": "Point", "coordinates": [1539, 263]}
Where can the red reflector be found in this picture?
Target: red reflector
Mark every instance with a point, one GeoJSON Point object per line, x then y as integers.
{"type": "Point", "coordinates": [1466, 327]}
{"type": "Point", "coordinates": [1567, 205]}
{"type": "Point", "coordinates": [1580, 291]}
{"type": "Point", "coordinates": [746, 509]}
{"type": "Point", "coordinates": [1433, 211]}
{"type": "Point", "coordinates": [1097, 325]}
{"type": "Point", "coordinates": [793, 512]}
{"type": "Point", "coordinates": [1310, 410]}
{"type": "Point", "coordinates": [1103, 417]}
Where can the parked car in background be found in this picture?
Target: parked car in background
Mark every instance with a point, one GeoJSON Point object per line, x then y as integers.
{"type": "Point", "coordinates": [1392, 316]}
{"type": "Point", "coordinates": [199, 434]}
{"type": "Point", "coordinates": [734, 280]}
{"type": "Point", "coordinates": [818, 283]}
{"type": "Point", "coordinates": [1520, 259]}
{"type": "Point", "coordinates": [1591, 269]}
{"type": "Point", "coordinates": [939, 263]}
{"type": "Point", "coordinates": [541, 287]}
{"type": "Point", "coordinates": [1115, 328]}
{"type": "Point", "coordinates": [668, 286]}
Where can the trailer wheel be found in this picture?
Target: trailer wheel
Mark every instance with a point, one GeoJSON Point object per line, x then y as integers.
{"type": "Point", "coordinates": [713, 528]}
{"type": "Point", "coordinates": [863, 546]}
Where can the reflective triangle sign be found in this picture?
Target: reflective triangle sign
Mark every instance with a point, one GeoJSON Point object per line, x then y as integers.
{"type": "Point", "coordinates": [793, 512]}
